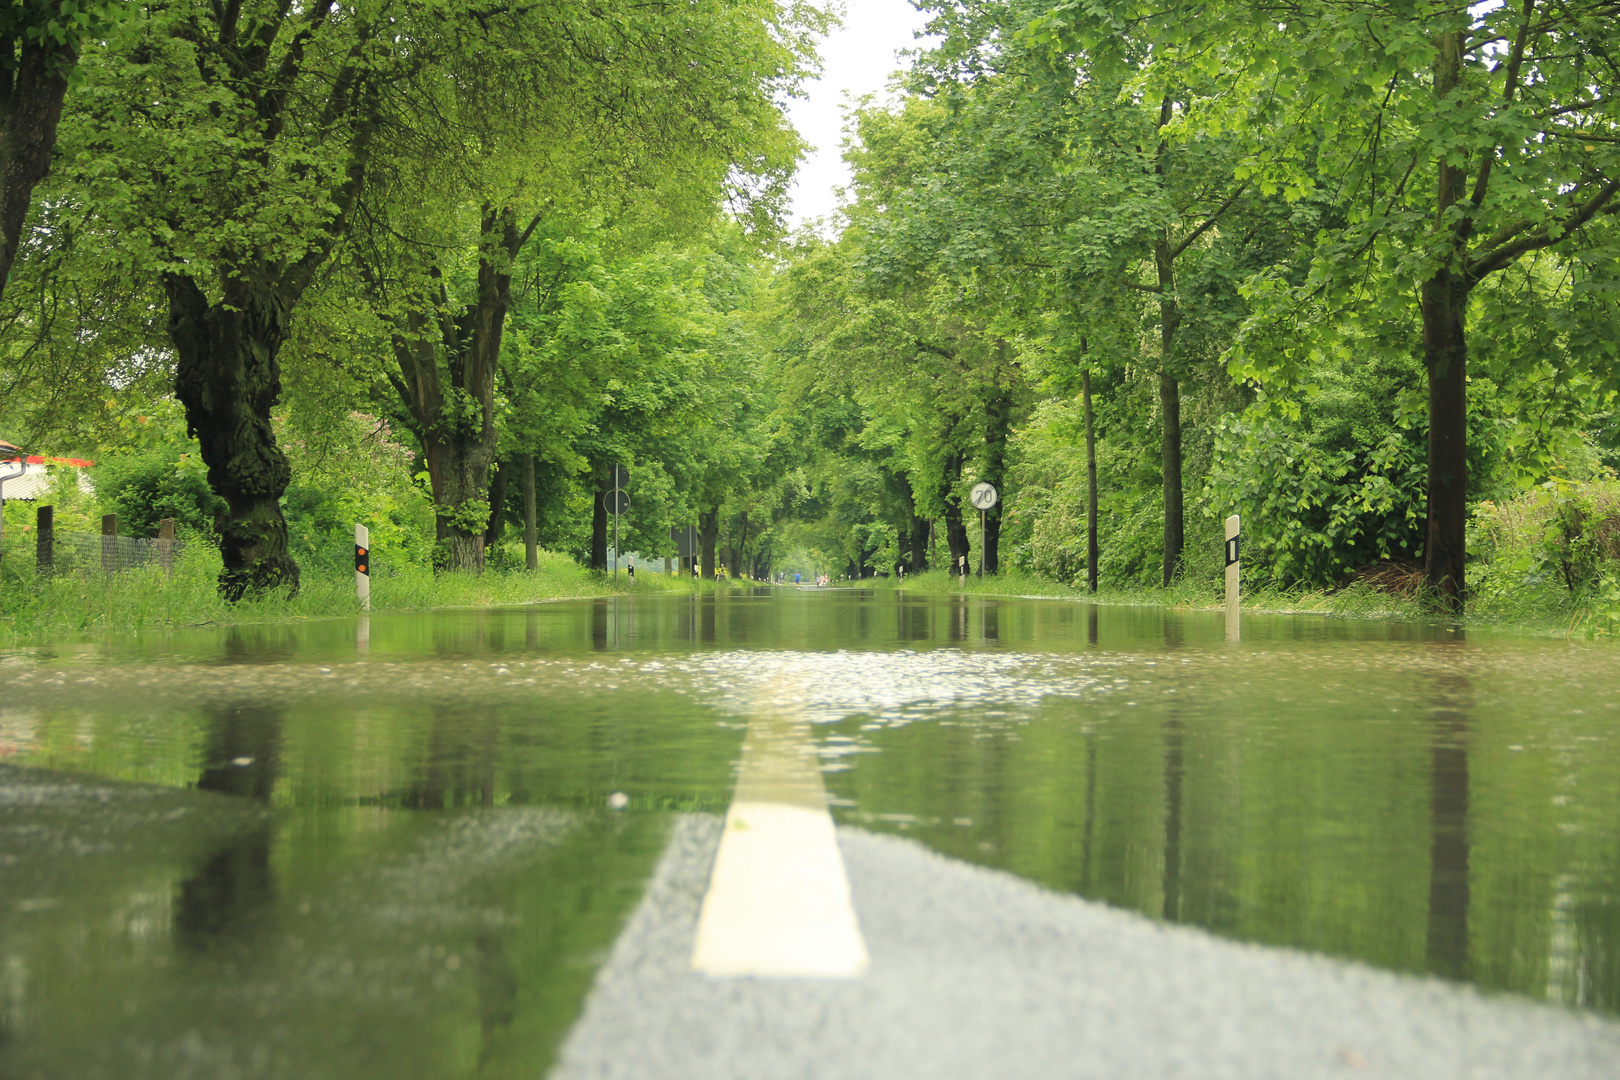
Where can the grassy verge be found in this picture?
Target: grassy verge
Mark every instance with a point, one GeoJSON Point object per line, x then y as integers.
{"type": "Point", "coordinates": [80, 606]}
{"type": "Point", "coordinates": [1540, 610]}
{"type": "Point", "coordinates": [76, 606]}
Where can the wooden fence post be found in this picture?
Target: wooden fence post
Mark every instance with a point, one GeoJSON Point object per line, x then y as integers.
{"type": "Point", "coordinates": [45, 541]}
{"type": "Point", "coordinates": [165, 545]}
{"type": "Point", "coordinates": [109, 542]}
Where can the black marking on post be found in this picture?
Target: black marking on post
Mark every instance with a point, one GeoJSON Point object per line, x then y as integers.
{"type": "Point", "coordinates": [1231, 551]}
{"type": "Point", "coordinates": [362, 560]}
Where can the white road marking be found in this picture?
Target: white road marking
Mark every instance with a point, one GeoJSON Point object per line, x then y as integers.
{"type": "Point", "coordinates": [778, 901]}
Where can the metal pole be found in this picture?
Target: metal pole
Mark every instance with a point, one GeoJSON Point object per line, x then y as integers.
{"type": "Point", "coordinates": [981, 543]}
{"type": "Point", "coordinates": [615, 523]}
{"type": "Point", "coordinates": [362, 566]}
{"type": "Point", "coordinates": [1232, 567]}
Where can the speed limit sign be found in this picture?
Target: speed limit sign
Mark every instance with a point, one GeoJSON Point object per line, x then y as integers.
{"type": "Point", "coordinates": [983, 496]}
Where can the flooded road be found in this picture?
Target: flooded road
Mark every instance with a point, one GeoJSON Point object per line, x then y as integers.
{"type": "Point", "coordinates": [388, 849]}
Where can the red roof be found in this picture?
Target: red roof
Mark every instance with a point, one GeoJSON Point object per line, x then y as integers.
{"type": "Point", "coordinates": [81, 463]}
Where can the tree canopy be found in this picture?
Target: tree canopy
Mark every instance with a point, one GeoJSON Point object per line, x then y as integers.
{"type": "Point", "coordinates": [1349, 270]}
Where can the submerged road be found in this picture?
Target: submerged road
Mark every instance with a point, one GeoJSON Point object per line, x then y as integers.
{"type": "Point", "coordinates": [977, 973]}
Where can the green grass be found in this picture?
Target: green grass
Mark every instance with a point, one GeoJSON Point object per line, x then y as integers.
{"type": "Point", "coordinates": [91, 605]}
{"type": "Point", "coordinates": [1541, 609]}
{"type": "Point", "coordinates": [88, 605]}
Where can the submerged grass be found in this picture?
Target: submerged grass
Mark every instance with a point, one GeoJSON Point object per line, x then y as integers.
{"type": "Point", "coordinates": [86, 605]}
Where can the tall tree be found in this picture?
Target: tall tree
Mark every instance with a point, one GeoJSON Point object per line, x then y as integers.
{"type": "Point", "coordinates": [1454, 140]}
{"type": "Point", "coordinates": [39, 57]}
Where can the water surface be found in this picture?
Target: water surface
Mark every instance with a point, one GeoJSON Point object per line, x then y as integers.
{"type": "Point", "coordinates": [385, 848]}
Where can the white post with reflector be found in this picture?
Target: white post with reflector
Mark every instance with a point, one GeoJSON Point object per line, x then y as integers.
{"type": "Point", "coordinates": [1232, 567]}
{"type": "Point", "coordinates": [362, 566]}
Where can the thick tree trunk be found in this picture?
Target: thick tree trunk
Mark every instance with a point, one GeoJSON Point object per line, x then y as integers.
{"type": "Point", "coordinates": [918, 541]}
{"type": "Point", "coordinates": [599, 527]}
{"type": "Point", "coordinates": [497, 504]}
{"type": "Point", "coordinates": [917, 536]}
{"type": "Point", "coordinates": [228, 379]}
{"type": "Point", "coordinates": [445, 358]}
{"type": "Point", "coordinates": [956, 537]}
{"type": "Point", "coordinates": [998, 424]}
{"type": "Point", "coordinates": [1445, 354]}
{"type": "Point", "coordinates": [531, 532]}
{"type": "Point", "coordinates": [1443, 300]}
{"type": "Point", "coordinates": [1091, 482]}
{"type": "Point", "coordinates": [1169, 409]}
{"type": "Point", "coordinates": [708, 536]}
{"type": "Point", "coordinates": [30, 107]}
{"type": "Point", "coordinates": [1170, 462]}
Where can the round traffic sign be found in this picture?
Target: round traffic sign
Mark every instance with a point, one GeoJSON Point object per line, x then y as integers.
{"type": "Point", "coordinates": [616, 502]}
{"type": "Point", "coordinates": [983, 496]}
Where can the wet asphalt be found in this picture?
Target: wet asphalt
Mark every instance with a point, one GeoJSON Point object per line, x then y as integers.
{"type": "Point", "coordinates": [977, 973]}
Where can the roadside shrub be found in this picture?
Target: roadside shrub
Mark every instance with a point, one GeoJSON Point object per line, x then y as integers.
{"type": "Point", "coordinates": [155, 471]}
{"type": "Point", "coordinates": [354, 471]}
{"type": "Point", "coordinates": [1562, 532]}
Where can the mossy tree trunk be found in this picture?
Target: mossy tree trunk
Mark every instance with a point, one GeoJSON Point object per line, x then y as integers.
{"type": "Point", "coordinates": [228, 379]}
{"type": "Point", "coordinates": [447, 361]}
{"type": "Point", "coordinates": [33, 81]}
{"type": "Point", "coordinates": [708, 538]}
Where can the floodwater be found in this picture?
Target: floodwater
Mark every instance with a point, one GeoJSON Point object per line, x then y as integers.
{"type": "Point", "coordinates": [385, 848]}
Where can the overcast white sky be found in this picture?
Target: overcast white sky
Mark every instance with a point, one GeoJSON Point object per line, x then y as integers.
{"type": "Point", "coordinates": [856, 59]}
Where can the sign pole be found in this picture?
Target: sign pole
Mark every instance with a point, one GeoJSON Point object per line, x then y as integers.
{"type": "Point", "coordinates": [981, 543]}
{"type": "Point", "coordinates": [362, 566]}
{"type": "Point", "coordinates": [983, 497]}
{"type": "Point", "coordinates": [1232, 583]}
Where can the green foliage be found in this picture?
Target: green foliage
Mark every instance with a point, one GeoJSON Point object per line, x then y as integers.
{"type": "Point", "coordinates": [350, 470]}
{"type": "Point", "coordinates": [154, 472]}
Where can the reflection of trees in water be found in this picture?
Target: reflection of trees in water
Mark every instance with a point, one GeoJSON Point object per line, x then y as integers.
{"type": "Point", "coordinates": [235, 881]}
{"type": "Point", "coordinates": [461, 766]}
{"type": "Point", "coordinates": [497, 990]}
{"type": "Point", "coordinates": [912, 621]}
{"type": "Point", "coordinates": [706, 617]}
{"type": "Point", "coordinates": [1088, 827]}
{"type": "Point", "coordinates": [1446, 951]}
{"type": "Point", "coordinates": [1174, 748]}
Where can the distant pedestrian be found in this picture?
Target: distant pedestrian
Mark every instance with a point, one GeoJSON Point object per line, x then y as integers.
{"type": "Point", "coordinates": [795, 579]}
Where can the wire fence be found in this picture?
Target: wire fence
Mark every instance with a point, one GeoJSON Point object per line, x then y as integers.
{"type": "Point", "coordinates": [89, 553]}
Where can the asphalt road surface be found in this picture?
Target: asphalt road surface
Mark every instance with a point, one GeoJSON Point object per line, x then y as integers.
{"type": "Point", "coordinates": [977, 973]}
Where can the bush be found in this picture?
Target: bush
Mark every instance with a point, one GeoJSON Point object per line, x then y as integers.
{"type": "Point", "coordinates": [1562, 533]}
{"type": "Point", "coordinates": [156, 471]}
{"type": "Point", "coordinates": [353, 471]}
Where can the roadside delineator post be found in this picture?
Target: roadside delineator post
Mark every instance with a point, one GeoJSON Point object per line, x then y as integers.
{"type": "Point", "coordinates": [362, 566]}
{"type": "Point", "coordinates": [1232, 567]}
{"type": "Point", "coordinates": [961, 564]}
